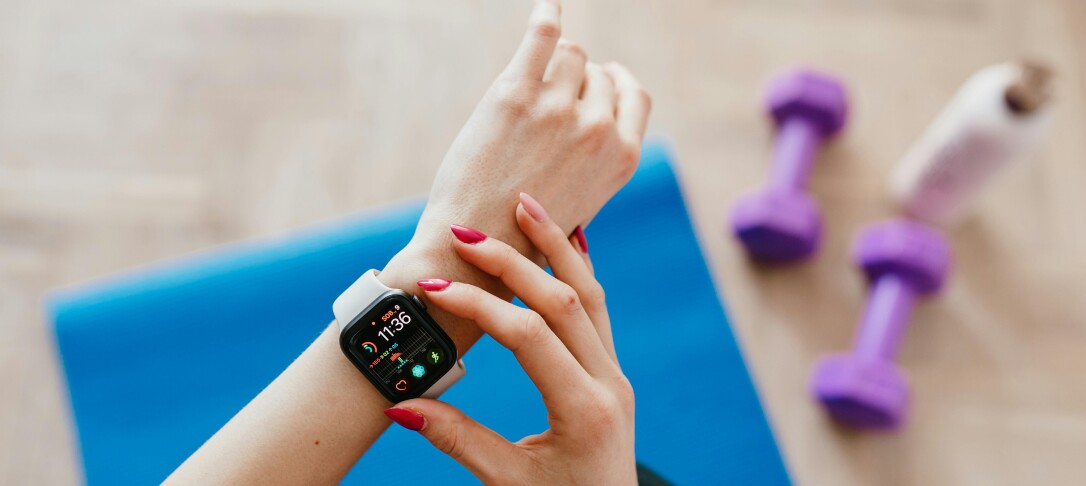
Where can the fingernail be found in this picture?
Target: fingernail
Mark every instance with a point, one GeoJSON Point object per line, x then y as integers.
{"type": "Point", "coordinates": [434, 284]}
{"type": "Point", "coordinates": [467, 235]}
{"type": "Point", "coordinates": [535, 210]}
{"type": "Point", "coordinates": [578, 232]}
{"type": "Point", "coordinates": [406, 418]}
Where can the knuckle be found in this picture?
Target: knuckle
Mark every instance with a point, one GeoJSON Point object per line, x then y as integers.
{"type": "Point", "coordinates": [626, 161]}
{"type": "Point", "coordinates": [574, 50]}
{"type": "Point", "coordinates": [451, 441]}
{"type": "Point", "coordinates": [601, 412]}
{"type": "Point", "coordinates": [533, 329]}
{"type": "Point", "coordinates": [620, 74]}
{"type": "Point", "coordinates": [624, 393]}
{"type": "Point", "coordinates": [547, 29]}
{"type": "Point", "coordinates": [557, 113]}
{"type": "Point", "coordinates": [513, 96]}
{"type": "Point", "coordinates": [595, 293]}
{"type": "Point", "coordinates": [612, 67]}
{"type": "Point", "coordinates": [629, 157]}
{"type": "Point", "coordinates": [599, 127]}
{"type": "Point", "coordinates": [566, 300]}
{"type": "Point", "coordinates": [507, 258]}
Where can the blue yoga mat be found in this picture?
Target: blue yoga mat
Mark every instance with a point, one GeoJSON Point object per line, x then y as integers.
{"type": "Point", "coordinates": [158, 359]}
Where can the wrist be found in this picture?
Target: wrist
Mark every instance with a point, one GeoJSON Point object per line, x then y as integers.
{"type": "Point", "coordinates": [422, 259]}
{"type": "Point", "coordinates": [493, 216]}
{"type": "Point", "coordinates": [430, 254]}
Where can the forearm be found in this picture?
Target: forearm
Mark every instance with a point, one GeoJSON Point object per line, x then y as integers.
{"type": "Point", "coordinates": [315, 420]}
{"type": "Point", "coordinates": [571, 141]}
{"type": "Point", "coordinates": [307, 426]}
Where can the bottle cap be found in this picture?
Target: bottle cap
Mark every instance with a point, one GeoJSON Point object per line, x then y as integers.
{"type": "Point", "coordinates": [1031, 90]}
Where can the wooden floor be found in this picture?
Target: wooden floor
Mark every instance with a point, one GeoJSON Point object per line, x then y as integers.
{"type": "Point", "coordinates": [131, 131]}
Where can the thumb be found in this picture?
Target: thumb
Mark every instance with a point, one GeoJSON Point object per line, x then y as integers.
{"type": "Point", "coordinates": [479, 449]}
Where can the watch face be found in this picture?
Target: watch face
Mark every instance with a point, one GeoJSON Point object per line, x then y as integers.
{"type": "Point", "coordinates": [398, 347]}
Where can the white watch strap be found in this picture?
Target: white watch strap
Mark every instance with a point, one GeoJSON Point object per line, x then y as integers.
{"type": "Point", "coordinates": [358, 297]}
{"type": "Point", "coordinates": [451, 377]}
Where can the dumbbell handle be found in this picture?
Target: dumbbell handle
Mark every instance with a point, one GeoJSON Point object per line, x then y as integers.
{"type": "Point", "coordinates": [794, 150]}
{"type": "Point", "coordinates": [887, 312]}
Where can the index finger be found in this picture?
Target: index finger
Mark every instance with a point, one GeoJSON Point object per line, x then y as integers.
{"type": "Point", "coordinates": [569, 265]}
{"type": "Point", "coordinates": [546, 360]}
{"type": "Point", "coordinates": [535, 51]}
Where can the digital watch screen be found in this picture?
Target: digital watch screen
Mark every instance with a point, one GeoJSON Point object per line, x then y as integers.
{"type": "Point", "coordinates": [398, 347]}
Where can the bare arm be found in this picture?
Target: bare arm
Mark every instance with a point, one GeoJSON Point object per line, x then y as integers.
{"type": "Point", "coordinates": [552, 125]}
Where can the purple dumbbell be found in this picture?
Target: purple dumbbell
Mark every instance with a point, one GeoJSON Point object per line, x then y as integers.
{"type": "Point", "coordinates": [781, 222]}
{"type": "Point", "coordinates": [903, 260]}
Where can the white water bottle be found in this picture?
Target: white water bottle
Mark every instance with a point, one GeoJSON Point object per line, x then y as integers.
{"type": "Point", "coordinates": [997, 116]}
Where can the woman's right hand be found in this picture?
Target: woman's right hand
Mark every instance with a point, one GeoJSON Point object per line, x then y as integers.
{"type": "Point", "coordinates": [564, 343]}
{"type": "Point", "coordinates": [553, 125]}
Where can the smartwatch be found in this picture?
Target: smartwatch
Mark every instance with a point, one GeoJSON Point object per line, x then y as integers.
{"type": "Point", "coordinates": [394, 342]}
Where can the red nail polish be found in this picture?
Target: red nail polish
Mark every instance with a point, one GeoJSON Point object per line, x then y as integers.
{"type": "Point", "coordinates": [406, 418]}
{"type": "Point", "coordinates": [434, 284]}
{"type": "Point", "coordinates": [581, 240]}
{"type": "Point", "coordinates": [535, 210]}
{"type": "Point", "coordinates": [467, 235]}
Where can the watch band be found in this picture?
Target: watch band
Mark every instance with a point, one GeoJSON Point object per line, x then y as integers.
{"type": "Point", "coordinates": [358, 297]}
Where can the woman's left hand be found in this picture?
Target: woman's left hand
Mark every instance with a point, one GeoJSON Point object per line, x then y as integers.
{"type": "Point", "coordinates": [564, 343]}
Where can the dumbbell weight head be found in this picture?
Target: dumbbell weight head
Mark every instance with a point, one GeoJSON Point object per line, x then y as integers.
{"type": "Point", "coordinates": [777, 225]}
{"type": "Point", "coordinates": [864, 387]}
{"type": "Point", "coordinates": [861, 392]}
{"type": "Point", "coordinates": [907, 249]}
{"type": "Point", "coordinates": [809, 95]}
{"type": "Point", "coordinates": [781, 222]}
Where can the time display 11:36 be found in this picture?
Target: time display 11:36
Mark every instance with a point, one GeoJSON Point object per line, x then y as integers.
{"type": "Point", "coordinates": [395, 325]}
